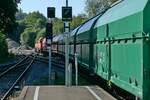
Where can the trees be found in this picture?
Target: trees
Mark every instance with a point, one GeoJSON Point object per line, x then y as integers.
{"type": "Point", "coordinates": [78, 20]}
{"type": "Point", "coordinates": [20, 15]}
{"type": "Point", "coordinates": [3, 48]}
{"type": "Point", "coordinates": [35, 20]}
{"type": "Point", "coordinates": [59, 25]}
{"type": "Point", "coordinates": [28, 37]}
{"type": "Point", "coordinates": [93, 7]}
{"type": "Point", "coordinates": [40, 34]}
{"type": "Point", "coordinates": [8, 8]}
{"type": "Point", "coordinates": [31, 27]}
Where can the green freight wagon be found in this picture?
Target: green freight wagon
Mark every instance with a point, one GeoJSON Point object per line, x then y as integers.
{"type": "Point", "coordinates": [115, 45]}
{"type": "Point", "coordinates": [124, 47]}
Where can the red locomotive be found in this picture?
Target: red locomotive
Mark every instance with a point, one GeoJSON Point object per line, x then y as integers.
{"type": "Point", "coordinates": [40, 45]}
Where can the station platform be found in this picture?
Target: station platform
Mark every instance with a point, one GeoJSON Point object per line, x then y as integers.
{"type": "Point", "coordinates": [64, 93]}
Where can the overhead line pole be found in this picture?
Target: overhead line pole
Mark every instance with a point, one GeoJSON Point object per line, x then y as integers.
{"type": "Point", "coordinates": [67, 29]}
{"type": "Point", "coordinates": [49, 36]}
{"type": "Point", "coordinates": [50, 52]}
{"type": "Point", "coordinates": [67, 17]}
{"type": "Point", "coordinates": [66, 54]}
{"type": "Point", "coordinates": [66, 3]}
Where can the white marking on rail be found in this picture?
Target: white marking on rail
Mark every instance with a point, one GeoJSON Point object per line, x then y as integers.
{"type": "Point", "coordinates": [93, 93]}
{"type": "Point", "coordinates": [36, 94]}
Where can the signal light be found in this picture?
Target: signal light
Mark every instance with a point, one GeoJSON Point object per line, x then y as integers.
{"type": "Point", "coordinates": [51, 12]}
{"type": "Point", "coordinates": [49, 30]}
{"type": "Point", "coordinates": [66, 13]}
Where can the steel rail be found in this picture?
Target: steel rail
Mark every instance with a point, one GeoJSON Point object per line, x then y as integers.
{"type": "Point", "coordinates": [6, 71]}
{"type": "Point", "coordinates": [10, 89]}
{"type": "Point", "coordinates": [46, 61]}
{"type": "Point", "coordinates": [22, 64]}
{"type": "Point", "coordinates": [6, 66]}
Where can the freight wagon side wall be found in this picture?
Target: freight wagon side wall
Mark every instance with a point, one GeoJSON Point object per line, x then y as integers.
{"type": "Point", "coordinates": [126, 53]}
{"type": "Point", "coordinates": [147, 18]}
{"type": "Point", "coordinates": [124, 24]}
{"type": "Point", "coordinates": [101, 52]}
{"type": "Point", "coordinates": [146, 70]}
{"type": "Point", "coordinates": [82, 48]}
{"type": "Point", "coordinates": [146, 54]}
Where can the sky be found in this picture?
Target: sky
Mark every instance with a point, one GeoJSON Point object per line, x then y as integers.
{"type": "Point", "coordinates": [41, 6]}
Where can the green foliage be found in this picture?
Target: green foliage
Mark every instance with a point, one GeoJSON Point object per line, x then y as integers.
{"type": "Point", "coordinates": [28, 37]}
{"type": "Point", "coordinates": [35, 20]}
{"type": "Point", "coordinates": [21, 25]}
{"type": "Point", "coordinates": [78, 20]}
{"type": "Point", "coordinates": [112, 1]}
{"type": "Point", "coordinates": [58, 26]}
{"type": "Point", "coordinates": [31, 28]}
{"type": "Point", "coordinates": [40, 34]}
{"type": "Point", "coordinates": [3, 48]}
{"type": "Point", "coordinates": [94, 7]}
{"type": "Point", "coordinates": [8, 9]}
{"type": "Point", "coordinates": [20, 15]}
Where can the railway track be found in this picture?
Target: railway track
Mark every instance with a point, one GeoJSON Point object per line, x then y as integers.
{"type": "Point", "coordinates": [60, 65]}
{"type": "Point", "coordinates": [7, 66]}
{"type": "Point", "coordinates": [10, 77]}
{"type": "Point", "coordinates": [55, 60]}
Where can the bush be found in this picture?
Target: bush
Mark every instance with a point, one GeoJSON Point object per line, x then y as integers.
{"type": "Point", "coordinates": [3, 48]}
{"type": "Point", "coordinates": [28, 37]}
{"type": "Point", "coordinates": [40, 34]}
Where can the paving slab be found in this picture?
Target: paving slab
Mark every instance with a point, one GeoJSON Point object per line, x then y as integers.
{"type": "Point", "coordinates": [65, 93]}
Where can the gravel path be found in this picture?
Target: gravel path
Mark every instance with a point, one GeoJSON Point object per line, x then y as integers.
{"type": "Point", "coordinates": [36, 72]}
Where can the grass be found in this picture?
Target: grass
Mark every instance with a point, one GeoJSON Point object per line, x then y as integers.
{"type": "Point", "coordinates": [60, 80]}
{"type": "Point", "coordinates": [42, 81]}
{"type": "Point", "coordinates": [6, 58]}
